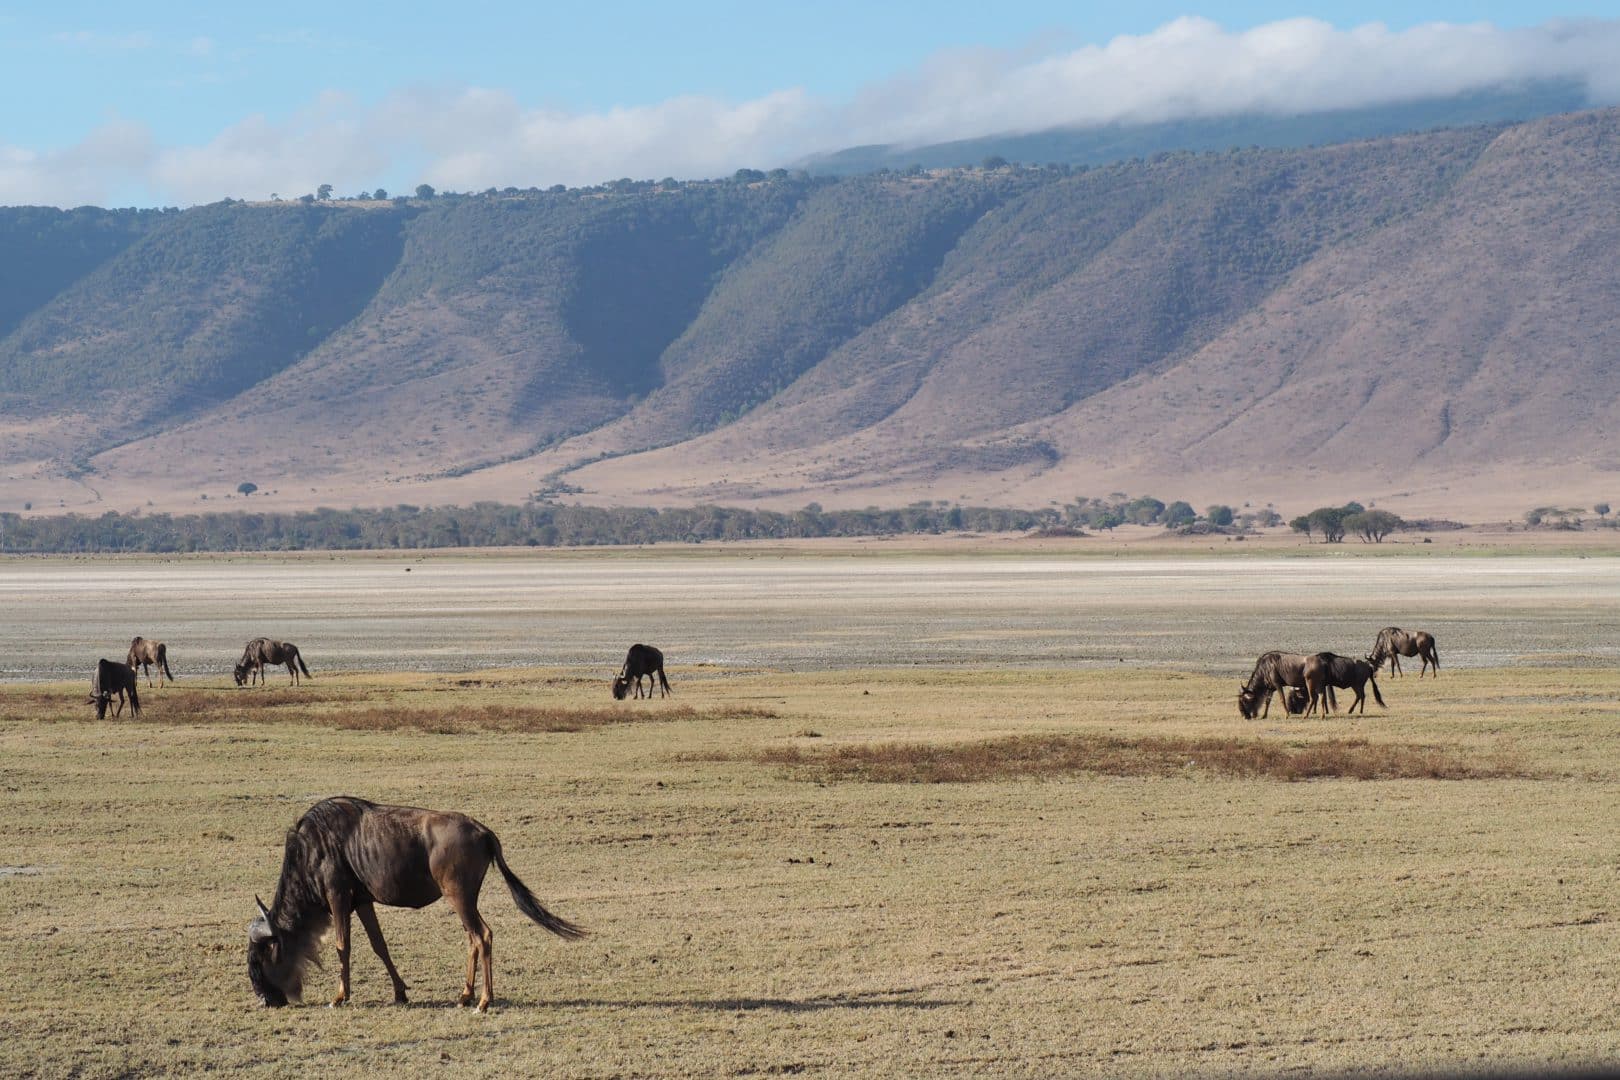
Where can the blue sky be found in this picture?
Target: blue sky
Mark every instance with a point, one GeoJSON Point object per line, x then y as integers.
{"type": "Point", "coordinates": [189, 102]}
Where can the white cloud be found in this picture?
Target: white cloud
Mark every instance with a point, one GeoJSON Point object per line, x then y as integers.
{"type": "Point", "coordinates": [471, 138]}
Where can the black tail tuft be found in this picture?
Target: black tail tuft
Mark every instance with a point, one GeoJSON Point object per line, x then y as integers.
{"type": "Point", "coordinates": [526, 903]}
{"type": "Point", "coordinates": [300, 658]}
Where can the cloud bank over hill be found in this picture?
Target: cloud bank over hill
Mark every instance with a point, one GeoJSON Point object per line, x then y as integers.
{"type": "Point", "coordinates": [470, 137]}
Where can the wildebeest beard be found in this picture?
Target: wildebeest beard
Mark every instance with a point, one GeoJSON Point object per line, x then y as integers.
{"type": "Point", "coordinates": [285, 938]}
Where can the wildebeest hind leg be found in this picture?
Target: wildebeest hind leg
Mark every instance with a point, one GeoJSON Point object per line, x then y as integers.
{"type": "Point", "coordinates": [368, 919]}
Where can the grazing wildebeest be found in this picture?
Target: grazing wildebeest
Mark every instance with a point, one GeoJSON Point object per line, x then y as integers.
{"type": "Point", "coordinates": [346, 855]}
{"type": "Point", "coordinates": [1394, 643]}
{"type": "Point", "coordinates": [261, 651]}
{"type": "Point", "coordinates": [1273, 671]}
{"type": "Point", "coordinates": [1326, 670]}
{"type": "Point", "coordinates": [110, 679]}
{"type": "Point", "coordinates": [640, 660]}
{"type": "Point", "coordinates": [144, 652]}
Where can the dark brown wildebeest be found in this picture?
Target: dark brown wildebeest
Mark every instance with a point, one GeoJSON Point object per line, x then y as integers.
{"type": "Point", "coordinates": [1326, 670]}
{"type": "Point", "coordinates": [346, 855]}
{"type": "Point", "coordinates": [109, 679]}
{"type": "Point", "coordinates": [1394, 643]}
{"type": "Point", "coordinates": [261, 651]}
{"type": "Point", "coordinates": [640, 660]}
{"type": "Point", "coordinates": [144, 652]}
{"type": "Point", "coordinates": [1273, 671]}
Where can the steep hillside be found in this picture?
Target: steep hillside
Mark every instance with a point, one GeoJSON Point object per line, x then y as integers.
{"type": "Point", "coordinates": [1422, 318]}
{"type": "Point", "coordinates": [44, 250]}
{"type": "Point", "coordinates": [205, 305]}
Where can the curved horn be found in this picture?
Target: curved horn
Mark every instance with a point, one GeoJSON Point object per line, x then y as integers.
{"type": "Point", "coordinates": [262, 909]}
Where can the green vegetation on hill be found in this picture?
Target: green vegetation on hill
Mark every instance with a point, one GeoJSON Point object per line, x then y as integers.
{"type": "Point", "coordinates": [207, 304]}
{"type": "Point", "coordinates": [44, 250]}
{"type": "Point", "coordinates": [854, 252]}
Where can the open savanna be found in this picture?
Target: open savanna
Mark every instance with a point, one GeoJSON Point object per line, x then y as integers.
{"type": "Point", "coordinates": [956, 835]}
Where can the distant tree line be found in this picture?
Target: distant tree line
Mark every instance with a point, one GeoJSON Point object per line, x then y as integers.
{"type": "Point", "coordinates": [545, 524]}
{"type": "Point", "coordinates": [1119, 509]}
{"type": "Point", "coordinates": [484, 524]}
{"type": "Point", "coordinates": [1568, 518]}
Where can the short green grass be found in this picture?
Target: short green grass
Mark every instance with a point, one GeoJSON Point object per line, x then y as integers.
{"type": "Point", "coordinates": [753, 913]}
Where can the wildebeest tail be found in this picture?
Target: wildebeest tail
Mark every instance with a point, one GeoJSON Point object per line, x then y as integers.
{"type": "Point", "coordinates": [526, 902]}
{"type": "Point", "coordinates": [164, 658]}
{"type": "Point", "coordinates": [1376, 695]}
{"type": "Point", "coordinates": [664, 682]}
{"type": "Point", "coordinates": [134, 698]}
{"type": "Point", "coordinates": [300, 658]}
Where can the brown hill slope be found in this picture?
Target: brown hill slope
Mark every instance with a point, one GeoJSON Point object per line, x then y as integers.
{"type": "Point", "coordinates": [1456, 342]}
{"type": "Point", "coordinates": [1428, 320]}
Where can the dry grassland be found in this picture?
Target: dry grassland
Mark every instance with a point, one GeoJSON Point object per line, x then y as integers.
{"type": "Point", "coordinates": [959, 837]}
{"type": "Point", "coordinates": [756, 911]}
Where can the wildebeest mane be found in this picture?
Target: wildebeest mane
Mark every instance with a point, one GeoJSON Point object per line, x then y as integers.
{"type": "Point", "coordinates": [300, 914]}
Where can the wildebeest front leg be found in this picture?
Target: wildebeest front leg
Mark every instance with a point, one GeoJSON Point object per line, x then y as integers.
{"type": "Point", "coordinates": [368, 919]}
{"type": "Point", "coordinates": [340, 939]}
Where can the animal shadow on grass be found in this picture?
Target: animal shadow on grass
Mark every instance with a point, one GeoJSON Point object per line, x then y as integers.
{"type": "Point", "coordinates": [877, 999]}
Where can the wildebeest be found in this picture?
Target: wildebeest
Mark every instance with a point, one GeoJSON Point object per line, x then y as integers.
{"type": "Point", "coordinates": [1273, 671]}
{"type": "Point", "coordinates": [640, 660]}
{"type": "Point", "coordinates": [110, 679]}
{"type": "Point", "coordinates": [261, 651]}
{"type": "Point", "coordinates": [1326, 670]}
{"type": "Point", "coordinates": [1394, 643]}
{"type": "Point", "coordinates": [346, 855]}
{"type": "Point", "coordinates": [144, 652]}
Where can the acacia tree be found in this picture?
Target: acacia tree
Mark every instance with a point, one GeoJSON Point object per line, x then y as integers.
{"type": "Point", "coordinates": [1179, 513]}
{"type": "Point", "coordinates": [1329, 521]}
{"type": "Point", "coordinates": [1372, 525]}
{"type": "Point", "coordinates": [1303, 524]}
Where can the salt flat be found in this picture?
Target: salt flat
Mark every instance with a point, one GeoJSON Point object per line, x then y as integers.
{"type": "Point", "coordinates": [745, 607]}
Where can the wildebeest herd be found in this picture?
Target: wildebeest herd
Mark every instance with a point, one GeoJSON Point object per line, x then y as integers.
{"type": "Point", "coordinates": [345, 855]}
{"type": "Point", "coordinates": [1307, 682]}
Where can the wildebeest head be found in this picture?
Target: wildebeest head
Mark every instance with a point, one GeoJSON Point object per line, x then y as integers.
{"type": "Point", "coordinates": [276, 974]}
{"type": "Point", "coordinates": [240, 673]}
{"type": "Point", "coordinates": [1248, 702]}
{"type": "Point", "coordinates": [1297, 699]}
{"type": "Point", "coordinates": [621, 687]}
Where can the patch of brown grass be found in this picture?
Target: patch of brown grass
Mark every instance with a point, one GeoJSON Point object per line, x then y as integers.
{"type": "Point", "coordinates": [1037, 756]}
{"type": "Point", "coordinates": [518, 719]}
{"type": "Point", "coordinates": [357, 710]}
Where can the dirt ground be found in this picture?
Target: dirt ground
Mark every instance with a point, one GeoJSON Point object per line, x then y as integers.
{"type": "Point", "coordinates": [752, 919]}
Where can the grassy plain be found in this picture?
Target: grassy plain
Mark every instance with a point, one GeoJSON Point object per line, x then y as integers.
{"type": "Point", "coordinates": [757, 913]}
